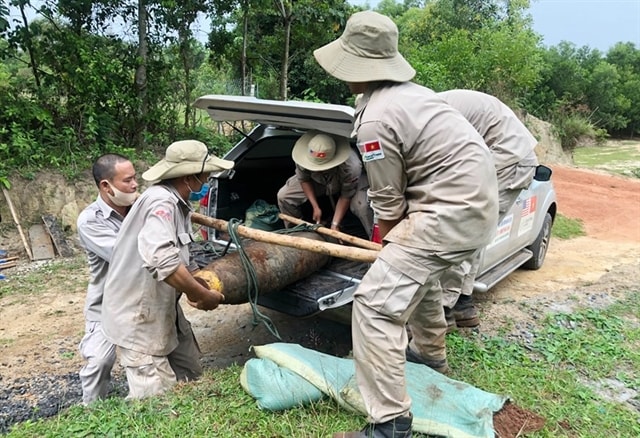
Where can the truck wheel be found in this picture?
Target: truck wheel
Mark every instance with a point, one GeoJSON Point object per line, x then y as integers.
{"type": "Point", "coordinates": [540, 246]}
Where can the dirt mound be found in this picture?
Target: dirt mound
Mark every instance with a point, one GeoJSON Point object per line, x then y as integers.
{"type": "Point", "coordinates": [548, 150]}
{"type": "Point", "coordinates": [513, 421]}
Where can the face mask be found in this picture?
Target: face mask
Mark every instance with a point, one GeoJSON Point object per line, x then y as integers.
{"type": "Point", "coordinates": [122, 199]}
{"type": "Point", "coordinates": [196, 196]}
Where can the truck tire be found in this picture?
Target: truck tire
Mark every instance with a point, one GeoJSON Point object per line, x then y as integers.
{"type": "Point", "coordinates": [540, 246]}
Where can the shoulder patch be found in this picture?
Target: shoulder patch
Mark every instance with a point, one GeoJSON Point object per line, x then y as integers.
{"type": "Point", "coordinates": [163, 214]}
{"type": "Point", "coordinates": [371, 150]}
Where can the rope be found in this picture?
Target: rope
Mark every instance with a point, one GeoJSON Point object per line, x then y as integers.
{"type": "Point", "coordinates": [252, 280]}
{"type": "Point", "coordinates": [298, 228]}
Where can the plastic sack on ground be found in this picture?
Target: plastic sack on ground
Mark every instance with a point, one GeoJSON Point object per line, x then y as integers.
{"type": "Point", "coordinates": [440, 406]}
{"type": "Point", "coordinates": [276, 388]}
{"type": "Point", "coordinates": [263, 216]}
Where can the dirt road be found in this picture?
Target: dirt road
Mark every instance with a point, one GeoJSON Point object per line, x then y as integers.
{"type": "Point", "coordinates": [39, 333]}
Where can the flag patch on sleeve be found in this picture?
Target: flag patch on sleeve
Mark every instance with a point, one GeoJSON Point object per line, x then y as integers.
{"type": "Point", "coordinates": [371, 150]}
{"type": "Point", "coordinates": [163, 214]}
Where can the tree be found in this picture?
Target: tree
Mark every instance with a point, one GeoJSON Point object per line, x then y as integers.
{"type": "Point", "coordinates": [472, 44]}
{"type": "Point", "coordinates": [626, 58]}
{"type": "Point", "coordinates": [281, 69]}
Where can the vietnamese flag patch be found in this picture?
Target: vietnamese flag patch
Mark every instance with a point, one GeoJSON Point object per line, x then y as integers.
{"type": "Point", "coordinates": [371, 150]}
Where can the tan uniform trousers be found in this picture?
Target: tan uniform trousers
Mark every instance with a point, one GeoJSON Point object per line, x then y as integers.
{"type": "Point", "coordinates": [291, 197]}
{"type": "Point", "coordinates": [149, 375]}
{"type": "Point", "coordinates": [398, 288]}
{"type": "Point", "coordinates": [459, 279]}
{"type": "Point", "coordinates": [100, 355]}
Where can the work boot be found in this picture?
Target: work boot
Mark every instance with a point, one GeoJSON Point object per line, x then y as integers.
{"type": "Point", "coordinates": [465, 313]}
{"type": "Point", "coordinates": [451, 320]}
{"type": "Point", "coordinates": [399, 427]}
{"type": "Point", "coordinates": [439, 365]}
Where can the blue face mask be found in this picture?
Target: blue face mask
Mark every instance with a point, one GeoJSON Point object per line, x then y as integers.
{"type": "Point", "coordinates": [196, 196]}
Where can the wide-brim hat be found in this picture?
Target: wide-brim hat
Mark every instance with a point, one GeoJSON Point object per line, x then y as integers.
{"type": "Point", "coordinates": [317, 151]}
{"type": "Point", "coordinates": [186, 157]}
{"type": "Point", "coordinates": [367, 51]}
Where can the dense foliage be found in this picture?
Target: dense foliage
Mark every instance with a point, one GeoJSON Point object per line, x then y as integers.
{"type": "Point", "coordinates": [79, 78]}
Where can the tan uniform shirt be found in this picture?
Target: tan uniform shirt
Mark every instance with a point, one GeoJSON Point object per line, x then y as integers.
{"type": "Point", "coordinates": [506, 136]}
{"type": "Point", "coordinates": [427, 165]}
{"type": "Point", "coordinates": [98, 227]}
{"type": "Point", "coordinates": [140, 310]}
{"type": "Point", "coordinates": [342, 179]}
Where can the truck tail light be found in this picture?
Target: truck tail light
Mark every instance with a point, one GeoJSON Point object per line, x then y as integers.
{"type": "Point", "coordinates": [375, 235]}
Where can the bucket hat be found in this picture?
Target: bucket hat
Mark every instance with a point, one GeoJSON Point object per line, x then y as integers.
{"type": "Point", "coordinates": [366, 51]}
{"type": "Point", "coordinates": [317, 151]}
{"type": "Point", "coordinates": [186, 157]}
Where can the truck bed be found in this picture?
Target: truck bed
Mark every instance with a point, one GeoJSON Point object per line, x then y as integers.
{"type": "Point", "coordinates": [321, 290]}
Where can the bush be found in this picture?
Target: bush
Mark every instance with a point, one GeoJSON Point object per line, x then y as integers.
{"type": "Point", "coordinates": [573, 129]}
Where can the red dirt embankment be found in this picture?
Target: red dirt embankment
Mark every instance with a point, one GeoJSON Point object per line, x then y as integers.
{"type": "Point", "coordinates": [609, 206]}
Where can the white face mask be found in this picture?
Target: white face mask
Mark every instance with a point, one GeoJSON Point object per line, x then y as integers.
{"type": "Point", "coordinates": [121, 199]}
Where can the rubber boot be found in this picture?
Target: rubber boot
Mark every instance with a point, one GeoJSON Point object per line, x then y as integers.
{"type": "Point", "coordinates": [399, 427]}
{"type": "Point", "coordinates": [465, 313]}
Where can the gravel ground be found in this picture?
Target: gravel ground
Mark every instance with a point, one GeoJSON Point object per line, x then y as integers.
{"type": "Point", "coordinates": [43, 396]}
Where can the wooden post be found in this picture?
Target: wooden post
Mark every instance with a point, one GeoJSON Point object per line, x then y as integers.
{"type": "Point", "coordinates": [15, 219]}
{"type": "Point", "coordinates": [366, 244]}
{"type": "Point", "coordinates": [331, 249]}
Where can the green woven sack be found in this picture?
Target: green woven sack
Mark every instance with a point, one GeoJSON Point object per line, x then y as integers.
{"type": "Point", "coordinates": [263, 216]}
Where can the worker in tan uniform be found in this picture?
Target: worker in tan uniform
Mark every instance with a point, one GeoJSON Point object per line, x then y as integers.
{"type": "Point", "coordinates": [433, 188]}
{"type": "Point", "coordinates": [512, 148]}
{"type": "Point", "coordinates": [327, 165]}
{"type": "Point", "coordinates": [98, 225]}
{"type": "Point", "coordinates": [150, 270]}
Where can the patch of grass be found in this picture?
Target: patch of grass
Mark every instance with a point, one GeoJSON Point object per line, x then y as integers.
{"type": "Point", "coordinates": [546, 375]}
{"type": "Point", "coordinates": [70, 273]}
{"type": "Point", "coordinates": [67, 355]}
{"type": "Point", "coordinates": [620, 157]}
{"type": "Point", "coordinates": [214, 407]}
{"type": "Point", "coordinates": [567, 228]}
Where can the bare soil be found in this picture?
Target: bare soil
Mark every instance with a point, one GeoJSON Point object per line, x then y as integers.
{"type": "Point", "coordinates": [39, 333]}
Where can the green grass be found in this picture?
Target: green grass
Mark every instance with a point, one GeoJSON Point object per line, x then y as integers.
{"type": "Point", "coordinates": [554, 375]}
{"type": "Point", "coordinates": [621, 157]}
{"type": "Point", "coordinates": [216, 406]}
{"type": "Point", "coordinates": [567, 228]}
{"type": "Point", "coordinates": [68, 274]}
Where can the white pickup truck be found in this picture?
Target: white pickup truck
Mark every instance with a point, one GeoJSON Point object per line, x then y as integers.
{"type": "Point", "coordinates": [263, 163]}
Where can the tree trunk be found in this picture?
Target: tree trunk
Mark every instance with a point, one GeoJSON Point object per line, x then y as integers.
{"type": "Point", "coordinates": [141, 74]}
{"type": "Point", "coordinates": [186, 67]}
{"type": "Point", "coordinates": [245, 27]}
{"type": "Point", "coordinates": [27, 43]}
{"type": "Point", "coordinates": [286, 11]}
{"type": "Point", "coordinates": [284, 71]}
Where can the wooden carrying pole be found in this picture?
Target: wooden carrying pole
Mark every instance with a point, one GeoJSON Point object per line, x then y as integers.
{"type": "Point", "coordinates": [15, 219]}
{"type": "Point", "coordinates": [362, 243]}
{"type": "Point", "coordinates": [331, 249]}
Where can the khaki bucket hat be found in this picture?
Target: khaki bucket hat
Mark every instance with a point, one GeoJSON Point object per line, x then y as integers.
{"type": "Point", "coordinates": [186, 157]}
{"type": "Point", "coordinates": [317, 151]}
{"type": "Point", "coordinates": [366, 51]}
